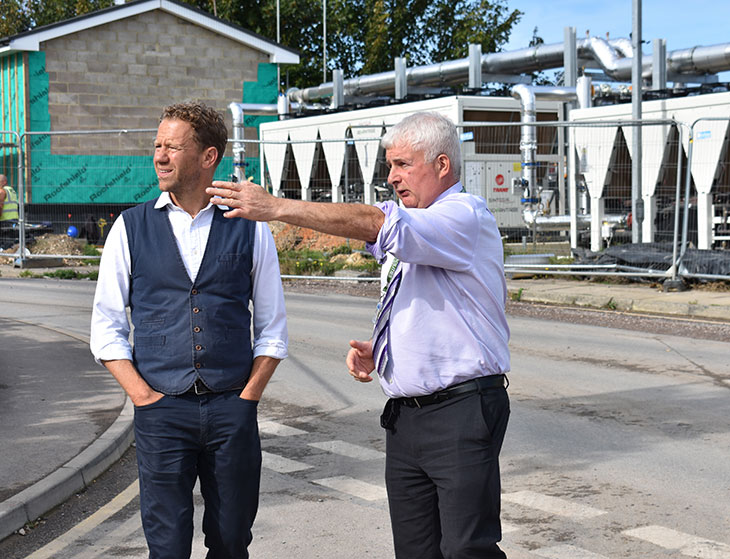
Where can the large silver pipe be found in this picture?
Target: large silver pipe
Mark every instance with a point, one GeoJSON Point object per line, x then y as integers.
{"type": "Point", "coordinates": [533, 217]}
{"type": "Point", "coordinates": [238, 112]}
{"type": "Point", "coordinates": [623, 45]}
{"type": "Point", "coordinates": [528, 95]}
{"type": "Point", "coordinates": [613, 63]}
{"type": "Point", "coordinates": [699, 60]}
{"type": "Point", "coordinates": [613, 56]}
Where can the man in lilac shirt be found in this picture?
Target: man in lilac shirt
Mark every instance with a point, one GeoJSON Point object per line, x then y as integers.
{"type": "Point", "coordinates": [441, 337]}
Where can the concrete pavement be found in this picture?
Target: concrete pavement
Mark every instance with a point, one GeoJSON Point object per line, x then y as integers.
{"type": "Point", "coordinates": [63, 420]}
{"type": "Point", "coordinates": [629, 297]}
{"type": "Point", "coordinates": [56, 399]}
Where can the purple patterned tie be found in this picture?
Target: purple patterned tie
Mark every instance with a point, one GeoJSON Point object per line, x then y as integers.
{"type": "Point", "coordinates": [380, 332]}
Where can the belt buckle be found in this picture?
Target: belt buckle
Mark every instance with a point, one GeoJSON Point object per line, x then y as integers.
{"type": "Point", "coordinates": [200, 388]}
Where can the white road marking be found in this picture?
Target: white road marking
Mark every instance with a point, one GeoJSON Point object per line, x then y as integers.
{"type": "Point", "coordinates": [354, 487]}
{"type": "Point", "coordinates": [687, 544]}
{"type": "Point", "coordinates": [552, 505]}
{"type": "Point", "coordinates": [52, 548]}
{"type": "Point", "coordinates": [279, 429]}
{"type": "Point", "coordinates": [567, 552]}
{"type": "Point", "coordinates": [350, 450]}
{"type": "Point", "coordinates": [282, 465]}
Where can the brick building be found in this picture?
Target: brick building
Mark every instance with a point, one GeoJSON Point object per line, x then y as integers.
{"type": "Point", "coordinates": [115, 69]}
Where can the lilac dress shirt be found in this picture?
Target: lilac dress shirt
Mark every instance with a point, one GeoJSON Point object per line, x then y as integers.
{"type": "Point", "coordinates": [448, 322]}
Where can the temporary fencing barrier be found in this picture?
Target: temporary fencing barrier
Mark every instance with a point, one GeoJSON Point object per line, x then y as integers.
{"type": "Point", "coordinates": [576, 203]}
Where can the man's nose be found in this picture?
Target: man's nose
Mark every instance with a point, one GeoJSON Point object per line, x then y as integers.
{"type": "Point", "coordinates": [392, 176]}
{"type": "Point", "coordinates": [160, 154]}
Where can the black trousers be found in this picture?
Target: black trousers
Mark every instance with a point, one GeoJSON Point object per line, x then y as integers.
{"type": "Point", "coordinates": [442, 476]}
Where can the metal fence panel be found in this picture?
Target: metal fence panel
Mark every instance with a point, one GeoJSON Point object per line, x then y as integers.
{"type": "Point", "coordinates": [66, 188]}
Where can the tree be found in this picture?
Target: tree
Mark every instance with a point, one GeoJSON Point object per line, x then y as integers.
{"type": "Point", "coordinates": [422, 31]}
{"type": "Point", "coordinates": [17, 16]}
{"type": "Point", "coordinates": [13, 18]}
{"type": "Point", "coordinates": [363, 36]}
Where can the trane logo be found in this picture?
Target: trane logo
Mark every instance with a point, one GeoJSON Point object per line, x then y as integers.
{"type": "Point", "coordinates": [500, 189]}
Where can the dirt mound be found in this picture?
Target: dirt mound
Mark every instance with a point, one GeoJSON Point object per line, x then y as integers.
{"type": "Point", "coordinates": [56, 244]}
{"type": "Point", "coordinates": [291, 237]}
{"type": "Point", "coordinates": [51, 244]}
{"type": "Point", "coordinates": [350, 261]}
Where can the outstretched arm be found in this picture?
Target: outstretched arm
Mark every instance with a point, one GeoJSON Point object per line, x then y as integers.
{"type": "Point", "coordinates": [249, 200]}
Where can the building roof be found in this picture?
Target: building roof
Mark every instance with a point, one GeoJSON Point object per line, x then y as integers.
{"type": "Point", "coordinates": [31, 40]}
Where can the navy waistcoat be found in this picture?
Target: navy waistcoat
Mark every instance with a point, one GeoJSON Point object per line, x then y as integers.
{"type": "Point", "coordinates": [183, 329]}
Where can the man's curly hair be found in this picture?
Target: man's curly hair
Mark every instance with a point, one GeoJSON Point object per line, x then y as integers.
{"type": "Point", "coordinates": [208, 126]}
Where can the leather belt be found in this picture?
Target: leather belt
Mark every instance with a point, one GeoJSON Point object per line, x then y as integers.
{"type": "Point", "coordinates": [199, 388]}
{"type": "Point", "coordinates": [467, 387]}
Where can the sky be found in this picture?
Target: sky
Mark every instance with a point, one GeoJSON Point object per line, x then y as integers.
{"type": "Point", "coordinates": [683, 23]}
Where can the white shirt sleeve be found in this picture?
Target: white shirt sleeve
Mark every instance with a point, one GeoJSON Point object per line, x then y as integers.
{"type": "Point", "coordinates": [270, 335]}
{"type": "Point", "coordinates": [110, 328]}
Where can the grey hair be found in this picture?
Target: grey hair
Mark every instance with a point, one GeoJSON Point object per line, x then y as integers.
{"type": "Point", "coordinates": [429, 132]}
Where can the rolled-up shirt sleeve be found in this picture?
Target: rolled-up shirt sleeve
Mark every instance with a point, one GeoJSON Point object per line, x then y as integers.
{"type": "Point", "coordinates": [109, 337]}
{"type": "Point", "coordinates": [441, 235]}
{"type": "Point", "coordinates": [269, 314]}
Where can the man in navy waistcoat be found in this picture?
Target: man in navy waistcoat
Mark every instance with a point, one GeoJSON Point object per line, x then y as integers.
{"type": "Point", "coordinates": [194, 371]}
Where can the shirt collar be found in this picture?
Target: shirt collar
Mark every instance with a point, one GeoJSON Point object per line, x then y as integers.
{"type": "Point", "coordinates": [456, 189]}
{"type": "Point", "coordinates": [164, 200]}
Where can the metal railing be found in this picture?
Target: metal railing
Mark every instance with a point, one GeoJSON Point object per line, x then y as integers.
{"type": "Point", "coordinates": [75, 173]}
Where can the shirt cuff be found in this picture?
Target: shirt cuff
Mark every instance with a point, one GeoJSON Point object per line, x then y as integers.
{"type": "Point", "coordinates": [113, 353]}
{"type": "Point", "coordinates": [379, 248]}
{"type": "Point", "coordinates": [275, 349]}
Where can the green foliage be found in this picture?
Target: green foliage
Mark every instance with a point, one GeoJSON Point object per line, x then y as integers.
{"type": "Point", "coordinates": [363, 36]}
{"type": "Point", "coordinates": [342, 249]}
{"type": "Point", "coordinates": [305, 263]}
{"type": "Point", "coordinates": [61, 273]}
{"type": "Point", "coordinates": [13, 18]}
{"type": "Point", "coordinates": [17, 16]}
{"type": "Point", "coordinates": [516, 296]}
{"type": "Point", "coordinates": [68, 273]}
{"type": "Point", "coordinates": [90, 250]}
{"type": "Point", "coordinates": [316, 263]}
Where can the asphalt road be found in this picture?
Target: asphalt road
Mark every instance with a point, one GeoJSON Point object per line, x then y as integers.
{"type": "Point", "coordinates": [617, 444]}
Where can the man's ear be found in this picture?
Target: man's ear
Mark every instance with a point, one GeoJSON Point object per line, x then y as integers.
{"type": "Point", "coordinates": [210, 156]}
{"type": "Point", "coordinates": [443, 165]}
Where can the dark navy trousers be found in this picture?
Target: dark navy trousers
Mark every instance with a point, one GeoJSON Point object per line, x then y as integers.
{"type": "Point", "coordinates": [442, 476]}
{"type": "Point", "coordinates": [213, 437]}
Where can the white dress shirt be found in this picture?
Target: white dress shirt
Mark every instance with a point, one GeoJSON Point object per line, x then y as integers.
{"type": "Point", "coordinates": [109, 322]}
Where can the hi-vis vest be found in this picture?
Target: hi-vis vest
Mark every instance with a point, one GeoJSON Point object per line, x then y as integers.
{"type": "Point", "coordinates": [10, 207]}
